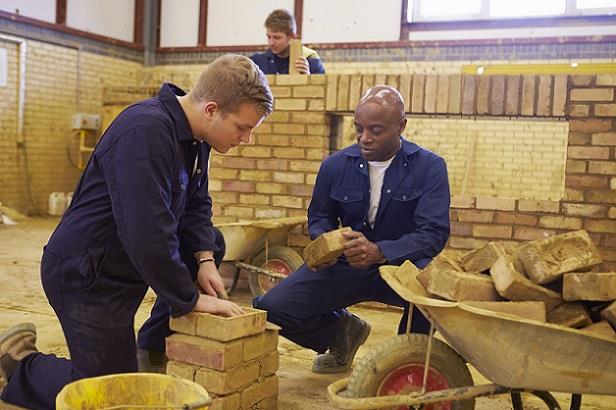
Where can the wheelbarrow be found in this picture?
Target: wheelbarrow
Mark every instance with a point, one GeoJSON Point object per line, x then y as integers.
{"type": "Point", "coordinates": [260, 248]}
{"type": "Point", "coordinates": [517, 355]}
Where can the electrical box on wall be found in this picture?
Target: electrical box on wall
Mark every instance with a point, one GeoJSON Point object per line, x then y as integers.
{"type": "Point", "coordinates": [83, 121]}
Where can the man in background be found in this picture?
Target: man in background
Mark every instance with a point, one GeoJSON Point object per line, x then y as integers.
{"type": "Point", "coordinates": [281, 29]}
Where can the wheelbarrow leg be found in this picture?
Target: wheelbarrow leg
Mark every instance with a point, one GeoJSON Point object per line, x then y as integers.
{"type": "Point", "coordinates": [546, 397]}
{"type": "Point", "coordinates": [576, 402]}
{"type": "Point", "coordinates": [236, 277]}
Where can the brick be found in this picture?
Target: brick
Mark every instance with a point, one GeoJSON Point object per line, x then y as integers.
{"type": "Point", "coordinates": [354, 90]}
{"type": "Point", "coordinates": [288, 153]}
{"type": "Point", "coordinates": [223, 173]}
{"type": "Point", "coordinates": [320, 130]}
{"type": "Point", "coordinates": [592, 211]}
{"type": "Point", "coordinates": [430, 94]}
{"type": "Point", "coordinates": [258, 152]}
{"type": "Point", "coordinates": [609, 314]}
{"type": "Point", "coordinates": [281, 91]}
{"type": "Point", "coordinates": [269, 364]}
{"type": "Point", "coordinates": [442, 94]}
{"type": "Point", "coordinates": [462, 202]}
{"type": "Point", "coordinates": [234, 162]}
{"type": "Point", "coordinates": [225, 329]}
{"type": "Point", "coordinates": [483, 93]}
{"type": "Point", "coordinates": [593, 286]}
{"type": "Point", "coordinates": [590, 125]}
{"type": "Point", "coordinates": [603, 329]}
{"type": "Point", "coordinates": [613, 183]}
{"type": "Point", "coordinates": [342, 103]}
{"type": "Point", "coordinates": [474, 216]}
{"type": "Point", "coordinates": [181, 370]}
{"type": "Point", "coordinates": [465, 243]}
{"type": "Point", "coordinates": [307, 118]}
{"type": "Point", "coordinates": [527, 233]}
{"type": "Point", "coordinates": [607, 196]}
{"type": "Point", "coordinates": [544, 96]}
{"type": "Point", "coordinates": [570, 315]}
{"type": "Point", "coordinates": [575, 166]}
{"type": "Point", "coordinates": [204, 352]}
{"type": "Point", "coordinates": [317, 79]}
{"type": "Point", "coordinates": [269, 213]}
{"type": "Point", "coordinates": [482, 259]}
{"type": "Point", "coordinates": [417, 99]}
{"type": "Point", "coordinates": [238, 186]}
{"type": "Point", "coordinates": [310, 91]}
{"type": "Point", "coordinates": [579, 110]}
{"type": "Point", "coordinates": [289, 177]}
{"type": "Point", "coordinates": [591, 94]}
{"type": "Point", "coordinates": [579, 138]}
{"type": "Point", "coordinates": [455, 88]}
{"type": "Point", "coordinates": [278, 116]}
{"type": "Point", "coordinates": [367, 81]}
{"type": "Point", "coordinates": [587, 181]}
{"type": "Point", "coordinates": [445, 278]}
{"type": "Point", "coordinates": [309, 141]}
{"type": "Point", "coordinates": [459, 229]}
{"type": "Point", "coordinates": [186, 324]}
{"type": "Point", "coordinates": [546, 260]}
{"type": "Point", "coordinates": [229, 381]}
{"type": "Point", "coordinates": [252, 175]}
{"type": "Point", "coordinates": [573, 195]}
{"type": "Point", "coordinates": [497, 204]}
{"type": "Point", "coordinates": [515, 219]}
{"type": "Point", "coordinates": [327, 247]}
{"type": "Point", "coordinates": [492, 231]}
{"type": "Point", "coordinates": [257, 346]}
{"type": "Point", "coordinates": [273, 164]}
{"type": "Point", "coordinates": [605, 110]}
{"type": "Point", "coordinates": [316, 105]}
{"type": "Point", "coordinates": [405, 90]}
{"type": "Point", "coordinates": [589, 152]}
{"type": "Point", "coordinates": [604, 138]}
{"type": "Point", "coordinates": [243, 212]}
{"type": "Point", "coordinates": [560, 95]}
{"type": "Point", "coordinates": [271, 188]}
{"type": "Point", "coordinates": [288, 201]}
{"type": "Point", "coordinates": [598, 225]}
{"type": "Point", "coordinates": [393, 80]}
{"type": "Point", "coordinates": [511, 284]}
{"type": "Point", "coordinates": [230, 402]}
{"type": "Point", "coordinates": [289, 129]}
{"type": "Point", "coordinates": [310, 166]}
{"type": "Point", "coordinates": [293, 79]}
{"type": "Point", "coordinates": [560, 222]}
{"type": "Point", "coordinates": [602, 167]}
{"type": "Point", "coordinates": [581, 80]}
{"type": "Point", "coordinates": [512, 99]}
{"type": "Point", "coordinates": [528, 95]}
{"type": "Point", "coordinates": [526, 310]}
{"type": "Point", "coordinates": [469, 91]}
{"type": "Point", "coordinates": [497, 95]}
{"type": "Point", "coordinates": [266, 388]}
{"type": "Point", "coordinates": [254, 199]}
{"type": "Point", "coordinates": [612, 213]}
{"type": "Point", "coordinates": [539, 206]}
{"type": "Point", "coordinates": [331, 92]}
{"type": "Point", "coordinates": [275, 140]}
{"type": "Point", "coordinates": [290, 104]}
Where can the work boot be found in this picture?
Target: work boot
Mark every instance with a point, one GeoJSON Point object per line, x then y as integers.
{"type": "Point", "coordinates": [352, 334]}
{"type": "Point", "coordinates": [150, 361]}
{"type": "Point", "coordinates": [16, 343]}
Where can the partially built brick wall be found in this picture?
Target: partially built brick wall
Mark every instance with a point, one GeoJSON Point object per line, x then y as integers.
{"type": "Point", "coordinates": [274, 175]}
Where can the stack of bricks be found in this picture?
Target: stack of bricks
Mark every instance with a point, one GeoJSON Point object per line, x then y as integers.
{"type": "Point", "coordinates": [234, 359]}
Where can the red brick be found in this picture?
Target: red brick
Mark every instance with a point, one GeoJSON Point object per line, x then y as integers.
{"type": "Point", "coordinates": [600, 225]}
{"type": "Point", "coordinates": [460, 229]}
{"type": "Point", "coordinates": [590, 125]}
{"type": "Point", "coordinates": [593, 211]}
{"type": "Point", "coordinates": [588, 152]}
{"type": "Point", "coordinates": [601, 196]}
{"type": "Point", "coordinates": [609, 240]}
{"type": "Point", "coordinates": [579, 138]}
{"type": "Point", "coordinates": [203, 352]}
{"type": "Point", "coordinates": [575, 166]}
{"type": "Point", "coordinates": [515, 219]}
{"type": "Point", "coordinates": [234, 162]}
{"type": "Point", "coordinates": [602, 167]}
{"type": "Point", "coordinates": [273, 164]}
{"type": "Point", "coordinates": [587, 181]}
{"type": "Point", "coordinates": [238, 186]}
{"type": "Point", "coordinates": [529, 234]}
{"type": "Point", "coordinates": [300, 190]}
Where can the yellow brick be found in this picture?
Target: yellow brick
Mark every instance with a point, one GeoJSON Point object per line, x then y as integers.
{"type": "Point", "coordinates": [295, 79]}
{"type": "Point", "coordinates": [290, 104]}
{"type": "Point", "coordinates": [310, 91]}
{"type": "Point", "coordinates": [288, 177]}
{"type": "Point", "coordinates": [289, 129]}
{"type": "Point", "coordinates": [311, 179]}
{"type": "Point", "coordinates": [260, 345]}
{"type": "Point", "coordinates": [287, 201]}
{"type": "Point", "coordinates": [182, 370]}
{"type": "Point", "coordinates": [316, 105]}
{"type": "Point", "coordinates": [278, 116]}
{"type": "Point", "coordinates": [560, 222]}
{"type": "Point", "coordinates": [275, 140]}
{"type": "Point", "coordinates": [239, 211]}
{"type": "Point", "coordinates": [612, 213]}
{"type": "Point", "coordinates": [281, 92]}
{"type": "Point", "coordinates": [261, 176]}
{"type": "Point", "coordinates": [492, 231]}
{"type": "Point", "coordinates": [268, 387]}
{"type": "Point", "coordinates": [269, 212]}
{"type": "Point", "coordinates": [256, 152]}
{"type": "Point", "coordinates": [288, 153]}
{"type": "Point", "coordinates": [539, 206]}
{"type": "Point", "coordinates": [501, 204]}
{"type": "Point", "coordinates": [269, 364]}
{"type": "Point", "coordinates": [230, 402]}
{"type": "Point", "coordinates": [271, 188]}
{"type": "Point", "coordinates": [308, 118]}
{"type": "Point", "coordinates": [309, 141]}
{"type": "Point", "coordinates": [592, 94]}
{"type": "Point", "coordinates": [319, 154]}
{"type": "Point", "coordinates": [320, 130]}
{"type": "Point", "coordinates": [311, 166]}
{"type": "Point", "coordinates": [223, 173]}
{"type": "Point", "coordinates": [229, 381]}
{"type": "Point", "coordinates": [254, 199]}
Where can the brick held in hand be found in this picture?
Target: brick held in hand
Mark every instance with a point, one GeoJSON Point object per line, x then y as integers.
{"type": "Point", "coordinates": [546, 260]}
{"type": "Point", "coordinates": [326, 248]}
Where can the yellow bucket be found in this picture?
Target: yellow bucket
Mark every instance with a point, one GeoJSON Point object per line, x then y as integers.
{"type": "Point", "coordinates": [132, 391]}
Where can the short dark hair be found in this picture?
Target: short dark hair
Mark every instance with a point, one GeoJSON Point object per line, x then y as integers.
{"type": "Point", "coordinates": [281, 20]}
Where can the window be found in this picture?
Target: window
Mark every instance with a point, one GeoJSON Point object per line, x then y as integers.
{"type": "Point", "coordinates": [455, 10]}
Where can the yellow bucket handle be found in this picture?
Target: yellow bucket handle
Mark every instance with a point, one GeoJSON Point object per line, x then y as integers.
{"type": "Point", "coordinates": [199, 404]}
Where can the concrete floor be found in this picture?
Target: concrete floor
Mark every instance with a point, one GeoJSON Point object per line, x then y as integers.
{"type": "Point", "coordinates": [22, 299]}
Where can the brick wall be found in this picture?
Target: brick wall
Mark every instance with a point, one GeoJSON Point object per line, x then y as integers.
{"type": "Point", "coordinates": [59, 82]}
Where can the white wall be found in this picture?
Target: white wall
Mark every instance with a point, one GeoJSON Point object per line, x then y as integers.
{"type": "Point", "coordinates": [347, 21]}
{"type": "Point", "coordinates": [179, 25]}
{"type": "Point", "coordinates": [111, 18]}
{"type": "Point", "coordinates": [37, 9]}
{"type": "Point", "coordinates": [240, 22]}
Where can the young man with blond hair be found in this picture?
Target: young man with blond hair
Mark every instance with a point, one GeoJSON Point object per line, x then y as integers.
{"type": "Point", "coordinates": [141, 206]}
{"type": "Point", "coordinates": [281, 29]}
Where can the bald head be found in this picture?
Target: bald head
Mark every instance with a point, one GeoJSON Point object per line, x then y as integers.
{"type": "Point", "coordinates": [387, 97]}
{"type": "Point", "coordinates": [379, 121]}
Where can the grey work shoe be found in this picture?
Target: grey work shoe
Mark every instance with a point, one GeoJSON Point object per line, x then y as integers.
{"type": "Point", "coordinates": [150, 361]}
{"type": "Point", "coordinates": [16, 343]}
{"type": "Point", "coordinates": [352, 334]}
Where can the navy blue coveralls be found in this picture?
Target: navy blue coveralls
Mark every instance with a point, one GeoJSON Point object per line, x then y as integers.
{"type": "Point", "coordinates": [270, 63]}
{"type": "Point", "coordinates": [141, 199]}
{"type": "Point", "coordinates": [412, 223]}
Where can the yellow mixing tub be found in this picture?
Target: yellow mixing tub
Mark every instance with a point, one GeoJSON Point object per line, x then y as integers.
{"type": "Point", "coordinates": [132, 391]}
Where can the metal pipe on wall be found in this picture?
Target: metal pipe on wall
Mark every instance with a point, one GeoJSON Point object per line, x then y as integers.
{"type": "Point", "coordinates": [21, 97]}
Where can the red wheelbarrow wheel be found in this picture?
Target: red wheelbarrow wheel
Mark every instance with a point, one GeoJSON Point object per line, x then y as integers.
{"type": "Point", "coordinates": [396, 367]}
{"type": "Point", "coordinates": [280, 259]}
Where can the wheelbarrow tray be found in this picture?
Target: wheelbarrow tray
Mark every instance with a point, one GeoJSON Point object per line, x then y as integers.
{"type": "Point", "coordinates": [245, 239]}
{"type": "Point", "coordinates": [511, 351]}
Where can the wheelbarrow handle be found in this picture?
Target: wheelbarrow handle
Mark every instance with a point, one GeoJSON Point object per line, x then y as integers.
{"type": "Point", "coordinates": [199, 404]}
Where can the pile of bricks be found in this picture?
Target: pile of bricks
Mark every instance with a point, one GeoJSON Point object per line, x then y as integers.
{"type": "Point", "coordinates": [559, 280]}
{"type": "Point", "coordinates": [234, 359]}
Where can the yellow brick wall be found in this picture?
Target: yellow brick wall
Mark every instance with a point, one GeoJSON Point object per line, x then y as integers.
{"type": "Point", "coordinates": [59, 82]}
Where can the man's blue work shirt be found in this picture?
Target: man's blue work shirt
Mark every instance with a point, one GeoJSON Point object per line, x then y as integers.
{"type": "Point", "coordinates": [142, 198]}
{"type": "Point", "coordinates": [270, 63]}
{"type": "Point", "coordinates": [412, 220]}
